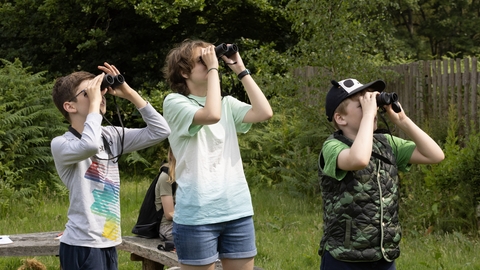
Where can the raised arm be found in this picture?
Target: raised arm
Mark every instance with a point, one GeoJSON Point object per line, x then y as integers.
{"type": "Point", "coordinates": [358, 155]}
{"type": "Point", "coordinates": [261, 109]}
{"type": "Point", "coordinates": [211, 112]}
{"type": "Point", "coordinates": [427, 151]}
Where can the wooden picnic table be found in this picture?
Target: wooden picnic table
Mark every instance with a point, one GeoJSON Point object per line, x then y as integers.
{"type": "Point", "coordinates": [141, 249]}
{"type": "Point", "coordinates": [31, 244]}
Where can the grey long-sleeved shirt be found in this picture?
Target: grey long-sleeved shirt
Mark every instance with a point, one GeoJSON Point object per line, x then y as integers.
{"type": "Point", "coordinates": [94, 181]}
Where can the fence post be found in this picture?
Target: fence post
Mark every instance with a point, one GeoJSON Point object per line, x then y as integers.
{"type": "Point", "coordinates": [458, 86]}
{"type": "Point", "coordinates": [473, 95]}
{"type": "Point", "coordinates": [466, 87]}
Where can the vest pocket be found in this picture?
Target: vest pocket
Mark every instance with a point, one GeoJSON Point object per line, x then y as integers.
{"type": "Point", "coordinates": [348, 232]}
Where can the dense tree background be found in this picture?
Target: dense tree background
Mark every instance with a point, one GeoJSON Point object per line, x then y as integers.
{"type": "Point", "coordinates": [63, 36]}
{"type": "Point", "coordinates": [42, 40]}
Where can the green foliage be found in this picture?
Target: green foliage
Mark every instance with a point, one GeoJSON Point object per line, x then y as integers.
{"type": "Point", "coordinates": [29, 120]}
{"type": "Point", "coordinates": [134, 158]}
{"type": "Point", "coordinates": [149, 160]}
{"type": "Point", "coordinates": [65, 36]}
{"type": "Point", "coordinates": [293, 48]}
{"type": "Point", "coordinates": [164, 12]}
{"type": "Point", "coordinates": [287, 229]}
{"type": "Point", "coordinates": [433, 29]}
{"type": "Point", "coordinates": [454, 184]}
{"type": "Point", "coordinates": [343, 37]}
{"type": "Point", "coordinates": [283, 152]}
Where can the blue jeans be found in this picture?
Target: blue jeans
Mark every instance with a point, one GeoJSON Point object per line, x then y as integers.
{"type": "Point", "coordinates": [204, 244]}
{"type": "Point", "coordinates": [87, 258]}
{"type": "Point", "coordinates": [330, 263]}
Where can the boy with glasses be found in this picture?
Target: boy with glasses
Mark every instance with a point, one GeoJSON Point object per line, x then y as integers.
{"type": "Point", "coordinates": [86, 160]}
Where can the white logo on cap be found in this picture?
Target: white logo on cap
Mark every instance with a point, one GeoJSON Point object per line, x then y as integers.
{"type": "Point", "coordinates": [350, 85]}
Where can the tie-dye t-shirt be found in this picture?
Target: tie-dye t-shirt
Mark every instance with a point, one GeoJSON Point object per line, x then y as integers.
{"type": "Point", "coordinates": [211, 183]}
{"type": "Point", "coordinates": [93, 180]}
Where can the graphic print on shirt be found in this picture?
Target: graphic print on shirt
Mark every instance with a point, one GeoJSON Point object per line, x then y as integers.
{"type": "Point", "coordinates": [106, 201]}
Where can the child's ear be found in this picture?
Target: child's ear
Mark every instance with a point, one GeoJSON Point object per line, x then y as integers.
{"type": "Point", "coordinates": [68, 107]}
{"type": "Point", "coordinates": [184, 75]}
{"type": "Point", "coordinates": [339, 119]}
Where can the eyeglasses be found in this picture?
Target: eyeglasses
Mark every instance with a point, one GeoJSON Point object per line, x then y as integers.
{"type": "Point", "coordinates": [84, 91]}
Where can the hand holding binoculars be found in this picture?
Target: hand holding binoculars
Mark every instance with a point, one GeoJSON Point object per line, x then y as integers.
{"type": "Point", "coordinates": [227, 50]}
{"type": "Point", "coordinates": [385, 98]}
{"type": "Point", "coordinates": [224, 49]}
{"type": "Point", "coordinates": [112, 81]}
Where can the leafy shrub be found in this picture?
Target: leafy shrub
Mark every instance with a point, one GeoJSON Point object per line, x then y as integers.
{"type": "Point", "coordinates": [29, 121]}
{"type": "Point", "coordinates": [451, 189]}
{"type": "Point", "coordinates": [283, 151]}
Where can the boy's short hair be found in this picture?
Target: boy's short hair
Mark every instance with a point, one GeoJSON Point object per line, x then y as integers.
{"type": "Point", "coordinates": [347, 88]}
{"type": "Point", "coordinates": [65, 87]}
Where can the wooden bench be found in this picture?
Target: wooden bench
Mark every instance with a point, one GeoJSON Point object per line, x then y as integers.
{"type": "Point", "coordinates": [146, 250]}
{"type": "Point", "coordinates": [31, 244]}
{"type": "Point", "coordinates": [141, 249]}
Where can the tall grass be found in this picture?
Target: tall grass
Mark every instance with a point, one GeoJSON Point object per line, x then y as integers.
{"type": "Point", "coordinates": [288, 231]}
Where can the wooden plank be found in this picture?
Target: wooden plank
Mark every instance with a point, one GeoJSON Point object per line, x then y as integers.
{"type": "Point", "coordinates": [473, 97]}
{"type": "Point", "coordinates": [415, 112]}
{"type": "Point", "coordinates": [445, 87]}
{"type": "Point", "coordinates": [31, 244]}
{"type": "Point", "coordinates": [148, 249]}
{"type": "Point", "coordinates": [458, 84]}
{"type": "Point", "coordinates": [427, 90]}
{"type": "Point", "coordinates": [146, 264]}
{"type": "Point", "coordinates": [407, 89]}
{"type": "Point", "coordinates": [141, 249]}
{"type": "Point", "coordinates": [419, 93]}
{"type": "Point", "coordinates": [466, 96]}
{"type": "Point", "coordinates": [428, 87]}
{"type": "Point", "coordinates": [451, 82]}
{"type": "Point", "coordinates": [151, 265]}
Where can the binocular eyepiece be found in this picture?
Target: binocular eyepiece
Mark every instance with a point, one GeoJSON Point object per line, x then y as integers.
{"type": "Point", "coordinates": [388, 98]}
{"type": "Point", "coordinates": [112, 81]}
{"type": "Point", "coordinates": [227, 50]}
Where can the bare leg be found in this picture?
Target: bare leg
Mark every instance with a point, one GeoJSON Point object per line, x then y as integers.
{"type": "Point", "coordinates": [195, 267]}
{"type": "Point", "coordinates": [238, 264]}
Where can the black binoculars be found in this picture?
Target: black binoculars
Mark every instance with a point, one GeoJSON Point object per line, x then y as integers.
{"type": "Point", "coordinates": [227, 50]}
{"type": "Point", "coordinates": [112, 81]}
{"type": "Point", "coordinates": [388, 98]}
{"type": "Point", "coordinates": [169, 246]}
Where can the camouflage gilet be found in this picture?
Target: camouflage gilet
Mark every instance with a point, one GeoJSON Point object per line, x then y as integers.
{"type": "Point", "coordinates": [360, 212]}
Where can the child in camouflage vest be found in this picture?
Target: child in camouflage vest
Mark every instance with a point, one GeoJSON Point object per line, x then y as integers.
{"type": "Point", "coordinates": [358, 172]}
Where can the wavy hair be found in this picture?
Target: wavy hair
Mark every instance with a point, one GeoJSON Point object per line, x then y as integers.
{"type": "Point", "coordinates": [180, 61]}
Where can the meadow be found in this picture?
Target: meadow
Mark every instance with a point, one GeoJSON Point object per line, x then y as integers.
{"type": "Point", "coordinates": [288, 230]}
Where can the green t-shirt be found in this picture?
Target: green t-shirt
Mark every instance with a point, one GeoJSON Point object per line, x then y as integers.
{"type": "Point", "coordinates": [402, 149]}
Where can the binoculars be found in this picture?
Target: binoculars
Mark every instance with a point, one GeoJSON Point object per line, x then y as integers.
{"type": "Point", "coordinates": [169, 246]}
{"type": "Point", "coordinates": [112, 81]}
{"type": "Point", "coordinates": [388, 98]}
{"type": "Point", "coordinates": [227, 50]}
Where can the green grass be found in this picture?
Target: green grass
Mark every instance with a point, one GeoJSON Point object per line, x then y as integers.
{"type": "Point", "coordinates": [288, 231]}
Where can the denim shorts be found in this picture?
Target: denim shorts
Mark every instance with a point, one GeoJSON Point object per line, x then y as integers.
{"type": "Point", "coordinates": [204, 244]}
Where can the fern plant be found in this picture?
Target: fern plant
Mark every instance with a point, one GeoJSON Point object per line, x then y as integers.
{"type": "Point", "coordinates": [29, 121]}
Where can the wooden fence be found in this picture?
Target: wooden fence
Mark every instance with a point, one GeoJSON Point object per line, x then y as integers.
{"type": "Point", "coordinates": [427, 89]}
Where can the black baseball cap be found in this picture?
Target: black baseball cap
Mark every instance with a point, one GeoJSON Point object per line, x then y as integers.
{"type": "Point", "coordinates": [344, 89]}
